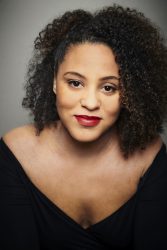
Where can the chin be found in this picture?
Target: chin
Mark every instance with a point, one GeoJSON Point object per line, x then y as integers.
{"type": "Point", "coordinates": [85, 137]}
{"type": "Point", "coordinates": [85, 140]}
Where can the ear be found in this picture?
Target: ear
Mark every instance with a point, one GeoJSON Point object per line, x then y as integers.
{"type": "Point", "coordinates": [54, 86]}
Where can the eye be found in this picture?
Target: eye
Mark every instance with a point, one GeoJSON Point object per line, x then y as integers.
{"type": "Point", "coordinates": [109, 88]}
{"type": "Point", "coordinates": [74, 83]}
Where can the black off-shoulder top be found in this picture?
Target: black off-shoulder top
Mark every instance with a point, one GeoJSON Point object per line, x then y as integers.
{"type": "Point", "coordinates": [30, 221]}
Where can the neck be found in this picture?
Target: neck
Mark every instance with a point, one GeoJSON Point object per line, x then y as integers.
{"type": "Point", "coordinates": [75, 148]}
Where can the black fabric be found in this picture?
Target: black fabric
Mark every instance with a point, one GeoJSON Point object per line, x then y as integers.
{"type": "Point", "coordinates": [30, 221]}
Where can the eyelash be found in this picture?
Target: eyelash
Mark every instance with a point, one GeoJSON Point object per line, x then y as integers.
{"type": "Point", "coordinates": [70, 82]}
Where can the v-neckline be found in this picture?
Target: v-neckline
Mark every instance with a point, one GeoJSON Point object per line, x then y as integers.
{"type": "Point", "coordinates": [62, 212]}
{"type": "Point", "coordinates": [69, 218]}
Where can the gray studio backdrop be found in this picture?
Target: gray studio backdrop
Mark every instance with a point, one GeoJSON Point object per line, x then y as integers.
{"type": "Point", "coordinates": [20, 22]}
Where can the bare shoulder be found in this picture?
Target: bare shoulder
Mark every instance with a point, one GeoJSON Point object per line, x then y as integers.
{"type": "Point", "coordinates": [154, 147]}
{"type": "Point", "coordinates": [151, 152]}
{"type": "Point", "coordinates": [20, 136]}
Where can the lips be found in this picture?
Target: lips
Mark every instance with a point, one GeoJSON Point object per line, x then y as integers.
{"type": "Point", "coordinates": [88, 121]}
{"type": "Point", "coordinates": [88, 117]}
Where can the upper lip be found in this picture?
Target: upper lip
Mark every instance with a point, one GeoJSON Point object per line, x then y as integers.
{"type": "Point", "coordinates": [88, 117]}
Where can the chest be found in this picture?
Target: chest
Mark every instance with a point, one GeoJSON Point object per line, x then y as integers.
{"type": "Point", "coordinates": [87, 192]}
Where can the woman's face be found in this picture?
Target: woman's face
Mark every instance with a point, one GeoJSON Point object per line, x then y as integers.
{"type": "Point", "coordinates": [87, 83]}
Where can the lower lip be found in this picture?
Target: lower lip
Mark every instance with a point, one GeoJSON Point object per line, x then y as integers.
{"type": "Point", "coordinates": [88, 123]}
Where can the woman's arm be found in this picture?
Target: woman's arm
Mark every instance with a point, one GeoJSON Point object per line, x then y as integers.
{"type": "Point", "coordinates": [150, 228]}
{"type": "Point", "coordinates": [17, 226]}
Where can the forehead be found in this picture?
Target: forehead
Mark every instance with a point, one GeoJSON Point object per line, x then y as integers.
{"type": "Point", "coordinates": [92, 56]}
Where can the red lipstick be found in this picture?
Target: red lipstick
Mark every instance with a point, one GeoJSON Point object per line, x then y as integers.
{"type": "Point", "coordinates": [88, 121]}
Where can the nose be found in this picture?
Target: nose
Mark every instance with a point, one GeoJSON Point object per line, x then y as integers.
{"type": "Point", "coordinates": [90, 100]}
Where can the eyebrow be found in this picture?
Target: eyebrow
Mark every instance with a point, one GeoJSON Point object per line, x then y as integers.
{"type": "Point", "coordinates": [102, 78]}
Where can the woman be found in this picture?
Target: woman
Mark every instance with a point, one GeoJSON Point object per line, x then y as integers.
{"type": "Point", "coordinates": [91, 171]}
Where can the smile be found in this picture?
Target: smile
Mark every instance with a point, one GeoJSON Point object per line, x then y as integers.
{"type": "Point", "coordinates": [88, 121]}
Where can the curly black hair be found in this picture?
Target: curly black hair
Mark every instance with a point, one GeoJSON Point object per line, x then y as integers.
{"type": "Point", "coordinates": [140, 53]}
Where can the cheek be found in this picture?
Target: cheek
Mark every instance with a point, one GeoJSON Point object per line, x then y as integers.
{"type": "Point", "coordinates": [112, 108]}
{"type": "Point", "coordinates": [66, 99]}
